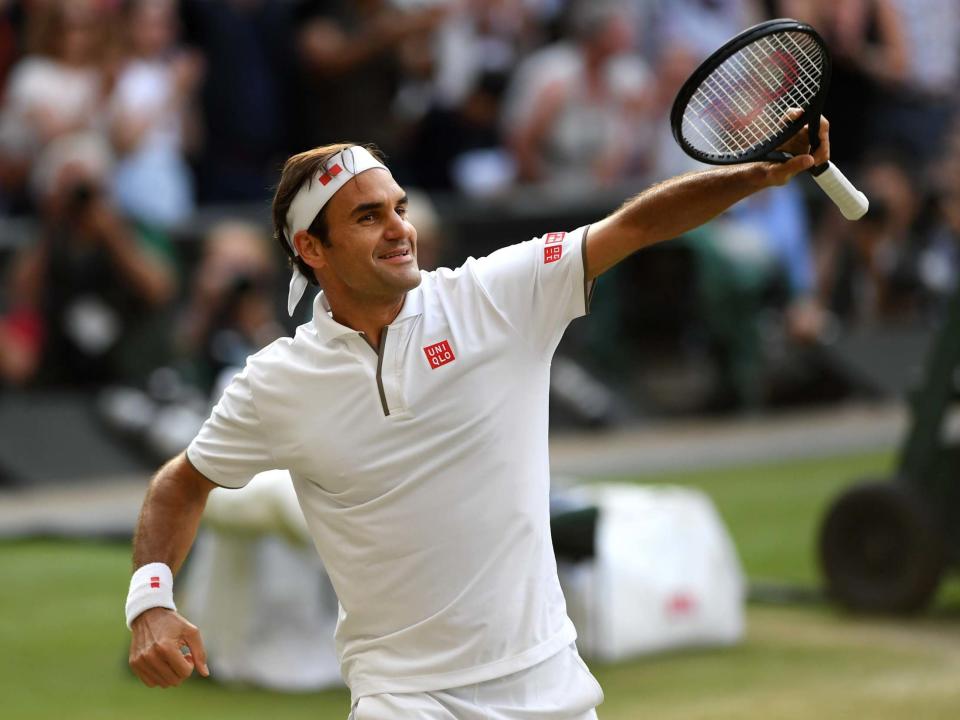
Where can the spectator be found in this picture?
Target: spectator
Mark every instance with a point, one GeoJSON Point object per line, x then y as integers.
{"type": "Point", "coordinates": [11, 20]}
{"type": "Point", "coordinates": [948, 169]}
{"type": "Point", "coordinates": [150, 110]}
{"type": "Point", "coordinates": [939, 260]}
{"type": "Point", "coordinates": [245, 96]}
{"type": "Point", "coordinates": [674, 64]}
{"type": "Point", "coordinates": [90, 284]}
{"type": "Point", "coordinates": [701, 26]}
{"type": "Point", "coordinates": [55, 90]}
{"type": "Point", "coordinates": [916, 116]}
{"type": "Point", "coordinates": [679, 35]}
{"type": "Point", "coordinates": [231, 310]}
{"type": "Point", "coordinates": [20, 341]}
{"type": "Point", "coordinates": [481, 38]}
{"type": "Point", "coordinates": [756, 256]}
{"type": "Point", "coordinates": [868, 46]}
{"type": "Point", "coordinates": [460, 148]}
{"type": "Point", "coordinates": [868, 269]}
{"type": "Point", "coordinates": [352, 66]}
{"type": "Point", "coordinates": [581, 106]}
{"type": "Point", "coordinates": [457, 143]}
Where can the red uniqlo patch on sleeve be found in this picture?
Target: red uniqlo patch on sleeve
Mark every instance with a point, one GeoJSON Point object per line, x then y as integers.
{"type": "Point", "coordinates": [552, 253]}
{"type": "Point", "coordinates": [554, 237]}
{"type": "Point", "coordinates": [439, 354]}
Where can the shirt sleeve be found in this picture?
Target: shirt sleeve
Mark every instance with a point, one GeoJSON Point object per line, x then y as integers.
{"type": "Point", "coordinates": [539, 286]}
{"type": "Point", "coordinates": [232, 446]}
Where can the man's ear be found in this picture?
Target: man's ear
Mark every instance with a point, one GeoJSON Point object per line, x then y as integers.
{"type": "Point", "coordinates": [310, 249]}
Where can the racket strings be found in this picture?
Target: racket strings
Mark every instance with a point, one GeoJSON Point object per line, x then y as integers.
{"type": "Point", "coordinates": [744, 102]}
{"type": "Point", "coordinates": [746, 89]}
{"type": "Point", "coordinates": [749, 99]}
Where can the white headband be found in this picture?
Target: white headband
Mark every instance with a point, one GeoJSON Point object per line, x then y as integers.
{"type": "Point", "coordinates": [314, 193]}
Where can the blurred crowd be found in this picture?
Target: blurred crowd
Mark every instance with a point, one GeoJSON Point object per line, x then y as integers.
{"type": "Point", "coordinates": [121, 119]}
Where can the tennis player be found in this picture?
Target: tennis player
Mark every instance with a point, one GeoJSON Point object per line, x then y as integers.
{"type": "Point", "coordinates": [411, 413]}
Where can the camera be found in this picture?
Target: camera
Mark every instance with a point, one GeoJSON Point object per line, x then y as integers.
{"type": "Point", "coordinates": [80, 196]}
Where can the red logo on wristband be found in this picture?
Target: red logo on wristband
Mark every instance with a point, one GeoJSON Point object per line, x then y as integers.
{"type": "Point", "coordinates": [155, 582]}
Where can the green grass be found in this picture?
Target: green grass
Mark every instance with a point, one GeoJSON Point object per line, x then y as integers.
{"type": "Point", "coordinates": [797, 664]}
{"type": "Point", "coordinates": [64, 638]}
{"type": "Point", "coordinates": [773, 510]}
{"type": "Point", "coordinates": [64, 642]}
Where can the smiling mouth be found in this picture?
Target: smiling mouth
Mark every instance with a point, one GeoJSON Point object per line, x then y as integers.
{"type": "Point", "coordinates": [395, 254]}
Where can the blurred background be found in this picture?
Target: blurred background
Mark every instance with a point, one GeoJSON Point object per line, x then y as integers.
{"type": "Point", "coordinates": [769, 358]}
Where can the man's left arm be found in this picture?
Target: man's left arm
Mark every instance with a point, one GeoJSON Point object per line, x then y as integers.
{"type": "Point", "coordinates": [673, 207]}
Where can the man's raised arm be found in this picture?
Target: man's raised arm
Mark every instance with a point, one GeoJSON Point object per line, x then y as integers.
{"type": "Point", "coordinates": [673, 207]}
{"type": "Point", "coordinates": [165, 531]}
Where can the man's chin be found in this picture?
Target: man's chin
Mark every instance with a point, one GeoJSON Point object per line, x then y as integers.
{"type": "Point", "coordinates": [407, 280]}
{"type": "Point", "coordinates": [415, 280]}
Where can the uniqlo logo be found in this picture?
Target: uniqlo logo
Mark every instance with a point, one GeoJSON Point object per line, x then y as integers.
{"type": "Point", "coordinates": [155, 582]}
{"type": "Point", "coordinates": [439, 354]}
{"type": "Point", "coordinates": [681, 604]}
{"type": "Point", "coordinates": [330, 174]}
{"type": "Point", "coordinates": [554, 237]}
{"type": "Point", "coordinates": [552, 253]}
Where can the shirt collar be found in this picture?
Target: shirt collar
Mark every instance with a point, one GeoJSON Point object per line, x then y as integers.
{"type": "Point", "coordinates": [329, 329]}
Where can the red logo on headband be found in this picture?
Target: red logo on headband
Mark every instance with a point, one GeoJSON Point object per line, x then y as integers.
{"type": "Point", "coordinates": [330, 174]}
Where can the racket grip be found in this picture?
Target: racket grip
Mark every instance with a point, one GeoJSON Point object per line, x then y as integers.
{"type": "Point", "coordinates": [853, 204]}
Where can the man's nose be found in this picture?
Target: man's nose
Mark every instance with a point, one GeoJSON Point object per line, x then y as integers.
{"type": "Point", "coordinates": [396, 228]}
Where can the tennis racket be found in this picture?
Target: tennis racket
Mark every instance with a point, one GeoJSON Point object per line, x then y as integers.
{"type": "Point", "coordinates": [739, 105]}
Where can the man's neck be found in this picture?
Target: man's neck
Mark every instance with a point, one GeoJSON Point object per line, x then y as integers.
{"type": "Point", "coordinates": [368, 318]}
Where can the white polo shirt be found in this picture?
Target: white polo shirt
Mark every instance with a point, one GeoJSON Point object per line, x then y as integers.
{"type": "Point", "coordinates": [422, 470]}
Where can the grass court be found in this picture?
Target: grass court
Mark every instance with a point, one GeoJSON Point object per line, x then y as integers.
{"type": "Point", "coordinates": [64, 640]}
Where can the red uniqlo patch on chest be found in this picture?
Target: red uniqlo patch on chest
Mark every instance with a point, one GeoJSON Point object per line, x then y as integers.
{"type": "Point", "coordinates": [439, 354]}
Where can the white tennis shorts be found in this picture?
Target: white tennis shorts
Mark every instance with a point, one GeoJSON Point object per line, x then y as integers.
{"type": "Point", "coordinates": [559, 688]}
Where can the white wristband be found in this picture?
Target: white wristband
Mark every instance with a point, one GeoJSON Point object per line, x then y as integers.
{"type": "Point", "coordinates": [151, 586]}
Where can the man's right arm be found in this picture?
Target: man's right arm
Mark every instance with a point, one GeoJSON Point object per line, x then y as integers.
{"type": "Point", "coordinates": [675, 206]}
{"type": "Point", "coordinates": [165, 531]}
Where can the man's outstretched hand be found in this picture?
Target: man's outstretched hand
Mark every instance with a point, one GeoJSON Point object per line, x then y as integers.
{"type": "Point", "coordinates": [799, 147]}
{"type": "Point", "coordinates": [165, 647]}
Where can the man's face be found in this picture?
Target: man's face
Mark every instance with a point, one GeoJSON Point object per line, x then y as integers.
{"type": "Point", "coordinates": [373, 251]}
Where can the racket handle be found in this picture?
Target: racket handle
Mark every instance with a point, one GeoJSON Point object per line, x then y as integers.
{"type": "Point", "coordinates": [853, 204]}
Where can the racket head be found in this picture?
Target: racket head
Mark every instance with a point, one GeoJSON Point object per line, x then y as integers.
{"type": "Point", "coordinates": [731, 109]}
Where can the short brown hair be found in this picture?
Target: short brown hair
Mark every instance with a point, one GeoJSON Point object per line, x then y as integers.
{"type": "Point", "coordinates": [298, 169]}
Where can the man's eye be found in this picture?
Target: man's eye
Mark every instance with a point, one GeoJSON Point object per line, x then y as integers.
{"type": "Point", "coordinates": [402, 211]}
{"type": "Point", "coordinates": [366, 218]}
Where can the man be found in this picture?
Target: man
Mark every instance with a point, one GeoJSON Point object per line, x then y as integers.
{"type": "Point", "coordinates": [412, 415]}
